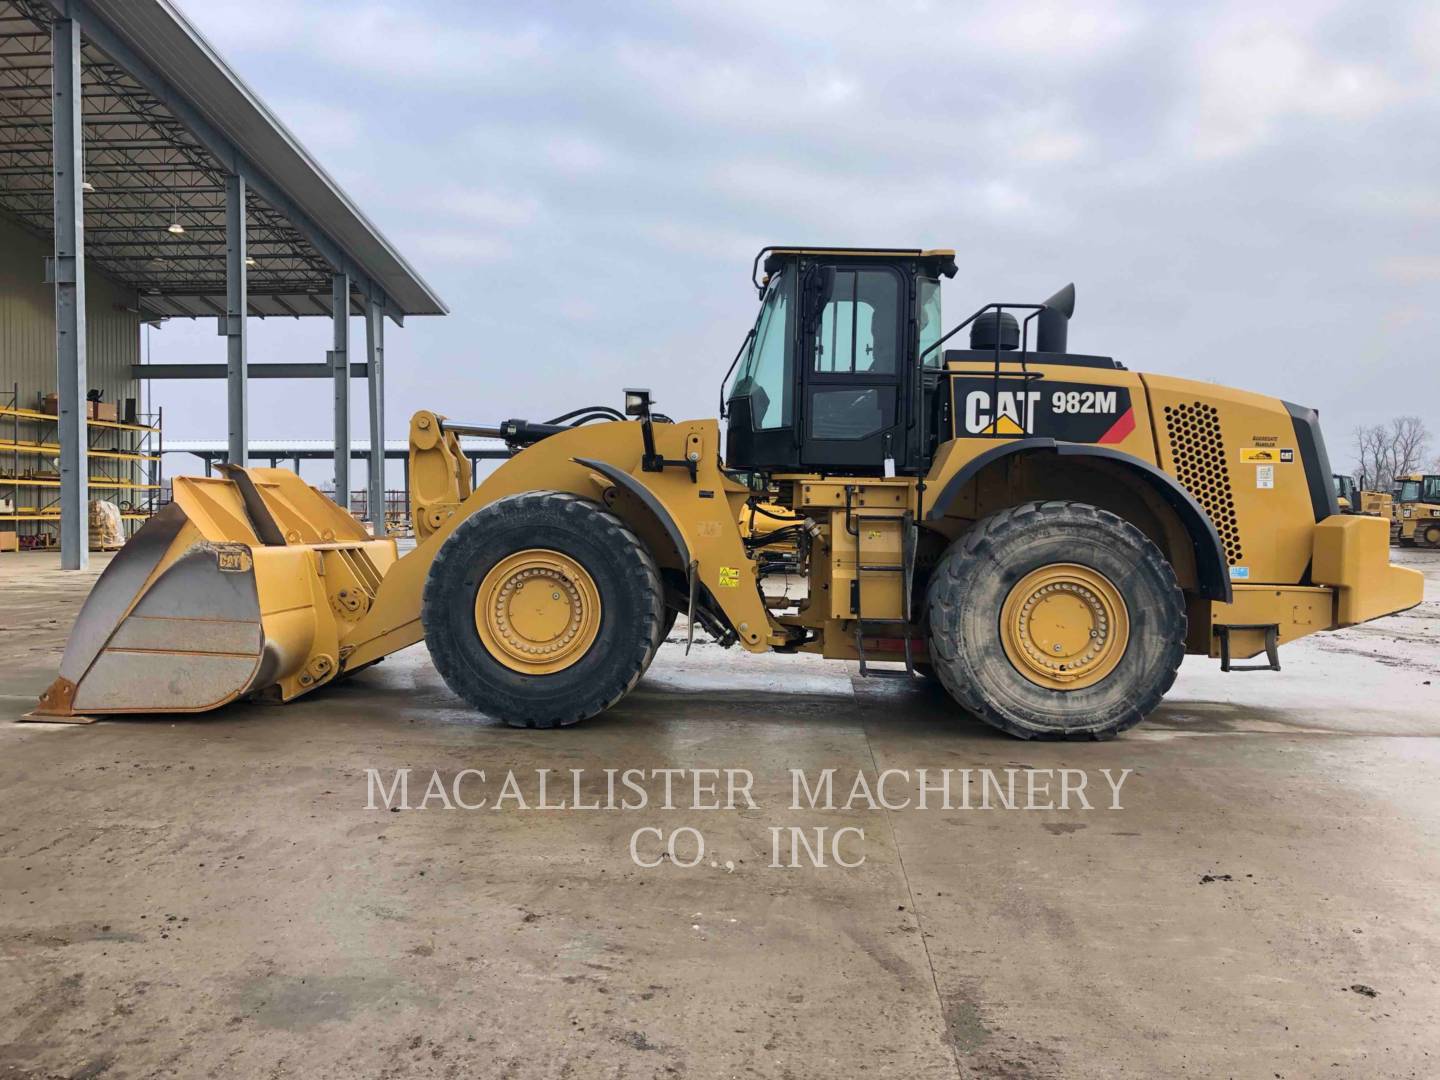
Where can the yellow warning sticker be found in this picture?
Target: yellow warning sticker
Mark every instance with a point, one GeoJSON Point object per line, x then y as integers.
{"type": "Point", "coordinates": [729, 577]}
{"type": "Point", "coordinates": [1264, 454]}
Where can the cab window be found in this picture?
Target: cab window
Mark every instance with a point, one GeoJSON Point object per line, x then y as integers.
{"type": "Point", "coordinates": [930, 329]}
{"type": "Point", "coordinates": [856, 332]}
{"type": "Point", "coordinates": [765, 375]}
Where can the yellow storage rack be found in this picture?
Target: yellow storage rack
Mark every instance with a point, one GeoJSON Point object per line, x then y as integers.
{"type": "Point", "coordinates": [125, 465]}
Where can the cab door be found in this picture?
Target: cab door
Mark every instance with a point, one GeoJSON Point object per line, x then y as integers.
{"type": "Point", "coordinates": [852, 352]}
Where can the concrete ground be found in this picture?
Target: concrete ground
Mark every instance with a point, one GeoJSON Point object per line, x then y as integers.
{"type": "Point", "coordinates": [212, 897]}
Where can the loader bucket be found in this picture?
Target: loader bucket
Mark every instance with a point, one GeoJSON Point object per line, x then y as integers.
{"type": "Point", "coordinates": [244, 584]}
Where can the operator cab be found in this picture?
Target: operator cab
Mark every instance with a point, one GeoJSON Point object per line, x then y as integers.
{"type": "Point", "coordinates": [831, 380]}
{"type": "Point", "coordinates": [1345, 492]}
{"type": "Point", "coordinates": [1418, 489]}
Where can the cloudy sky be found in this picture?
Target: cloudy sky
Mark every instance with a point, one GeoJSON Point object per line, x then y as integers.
{"type": "Point", "coordinates": [1242, 192]}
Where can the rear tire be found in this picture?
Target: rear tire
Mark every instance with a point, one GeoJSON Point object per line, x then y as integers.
{"type": "Point", "coordinates": [989, 573]}
{"type": "Point", "coordinates": [623, 584]}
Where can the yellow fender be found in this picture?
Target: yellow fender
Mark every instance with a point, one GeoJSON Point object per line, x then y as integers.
{"type": "Point", "coordinates": [681, 520]}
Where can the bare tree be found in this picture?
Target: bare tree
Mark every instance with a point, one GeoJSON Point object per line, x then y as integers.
{"type": "Point", "coordinates": [1410, 440]}
{"type": "Point", "coordinates": [1387, 451]}
{"type": "Point", "coordinates": [1373, 459]}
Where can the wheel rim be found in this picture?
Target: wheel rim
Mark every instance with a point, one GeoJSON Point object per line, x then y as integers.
{"type": "Point", "coordinates": [1432, 536]}
{"type": "Point", "coordinates": [1064, 626]}
{"type": "Point", "coordinates": [537, 611]}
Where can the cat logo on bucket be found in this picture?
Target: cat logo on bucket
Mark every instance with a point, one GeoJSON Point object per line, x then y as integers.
{"type": "Point", "coordinates": [233, 558]}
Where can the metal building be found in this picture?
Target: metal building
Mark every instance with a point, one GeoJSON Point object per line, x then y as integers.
{"type": "Point", "coordinates": [141, 180]}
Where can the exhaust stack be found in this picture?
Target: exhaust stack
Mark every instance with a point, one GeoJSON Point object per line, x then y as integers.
{"type": "Point", "coordinates": [1053, 323]}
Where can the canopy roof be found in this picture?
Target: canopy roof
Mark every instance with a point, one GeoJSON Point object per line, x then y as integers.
{"type": "Point", "coordinates": [164, 121]}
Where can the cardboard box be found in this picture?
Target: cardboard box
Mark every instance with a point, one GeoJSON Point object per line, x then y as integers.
{"type": "Point", "coordinates": [50, 403]}
{"type": "Point", "coordinates": [104, 410]}
{"type": "Point", "coordinates": [9, 541]}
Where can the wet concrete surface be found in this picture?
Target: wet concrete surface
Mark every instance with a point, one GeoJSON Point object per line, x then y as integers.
{"type": "Point", "coordinates": [212, 896]}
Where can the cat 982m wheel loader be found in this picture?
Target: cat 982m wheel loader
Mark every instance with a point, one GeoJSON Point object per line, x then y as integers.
{"type": "Point", "coordinates": [1045, 533]}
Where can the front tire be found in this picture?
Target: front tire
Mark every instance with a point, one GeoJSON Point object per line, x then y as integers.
{"type": "Point", "coordinates": [542, 609]}
{"type": "Point", "coordinates": [1056, 620]}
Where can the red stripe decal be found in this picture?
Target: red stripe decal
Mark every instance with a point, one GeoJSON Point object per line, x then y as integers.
{"type": "Point", "coordinates": [1121, 429]}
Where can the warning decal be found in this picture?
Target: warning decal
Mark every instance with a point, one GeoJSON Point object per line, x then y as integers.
{"type": "Point", "coordinates": [1260, 454]}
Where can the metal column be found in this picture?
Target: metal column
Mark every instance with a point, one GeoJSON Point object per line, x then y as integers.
{"type": "Point", "coordinates": [237, 300]}
{"type": "Point", "coordinates": [375, 354]}
{"type": "Point", "coordinates": [67, 271]}
{"type": "Point", "coordinates": [340, 366]}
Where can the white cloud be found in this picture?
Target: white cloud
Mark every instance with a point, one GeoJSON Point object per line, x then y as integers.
{"type": "Point", "coordinates": [1043, 136]}
{"type": "Point", "coordinates": [1256, 71]}
{"type": "Point", "coordinates": [1057, 30]}
{"type": "Point", "coordinates": [396, 41]}
{"type": "Point", "coordinates": [1411, 269]}
{"type": "Point", "coordinates": [460, 247]}
{"type": "Point", "coordinates": [321, 126]}
{"type": "Point", "coordinates": [486, 207]}
{"type": "Point", "coordinates": [576, 152]}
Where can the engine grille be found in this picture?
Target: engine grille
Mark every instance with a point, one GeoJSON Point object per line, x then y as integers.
{"type": "Point", "coordinates": [1198, 450]}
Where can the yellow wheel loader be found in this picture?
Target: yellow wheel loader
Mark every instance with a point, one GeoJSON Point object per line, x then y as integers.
{"type": "Point", "coordinates": [1047, 533]}
{"type": "Point", "coordinates": [1417, 510]}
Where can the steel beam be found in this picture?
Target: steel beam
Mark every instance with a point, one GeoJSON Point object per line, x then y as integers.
{"type": "Point", "coordinates": [236, 309]}
{"type": "Point", "coordinates": [68, 274]}
{"type": "Point", "coordinates": [375, 354]}
{"type": "Point", "coordinates": [254, 371]}
{"type": "Point", "coordinates": [340, 315]}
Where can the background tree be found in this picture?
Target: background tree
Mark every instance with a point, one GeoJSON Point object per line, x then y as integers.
{"type": "Point", "coordinates": [1385, 451]}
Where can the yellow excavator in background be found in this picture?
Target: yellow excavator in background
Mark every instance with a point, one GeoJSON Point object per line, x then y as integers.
{"type": "Point", "coordinates": [1047, 533]}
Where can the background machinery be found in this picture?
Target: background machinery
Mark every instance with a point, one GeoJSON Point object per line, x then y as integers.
{"type": "Point", "coordinates": [1417, 510]}
{"type": "Point", "coordinates": [1353, 500]}
{"type": "Point", "coordinates": [1046, 533]}
{"type": "Point", "coordinates": [1347, 495]}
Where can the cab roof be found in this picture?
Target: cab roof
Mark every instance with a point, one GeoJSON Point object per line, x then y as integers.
{"type": "Point", "coordinates": [934, 260]}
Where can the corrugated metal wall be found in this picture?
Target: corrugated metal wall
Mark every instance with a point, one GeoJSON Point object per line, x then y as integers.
{"type": "Point", "coordinates": [27, 347]}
